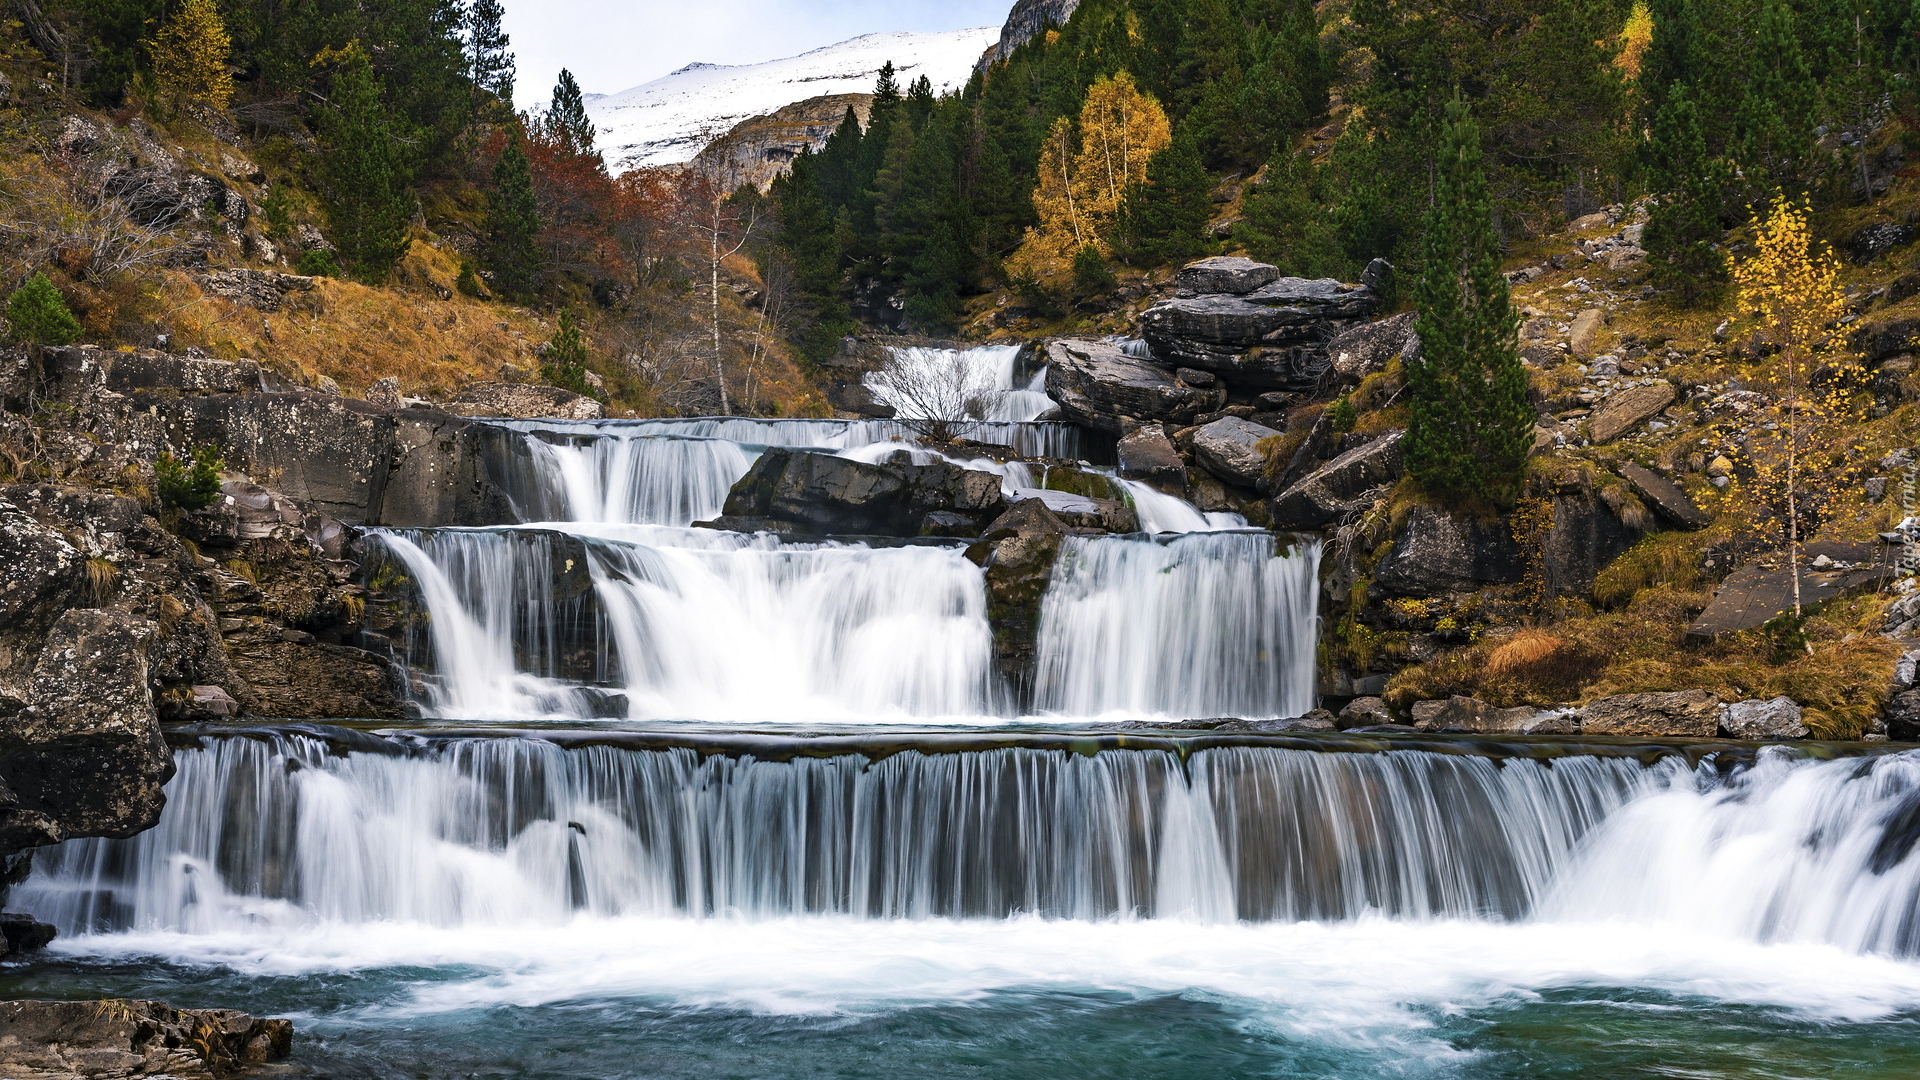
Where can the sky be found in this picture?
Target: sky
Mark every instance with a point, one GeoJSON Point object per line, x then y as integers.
{"type": "Point", "coordinates": [611, 45]}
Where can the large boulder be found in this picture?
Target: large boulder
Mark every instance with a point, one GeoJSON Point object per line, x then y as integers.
{"type": "Point", "coordinates": [1367, 348]}
{"type": "Point", "coordinates": [1230, 274]}
{"type": "Point", "coordinates": [1778, 718]}
{"type": "Point", "coordinates": [1082, 511]}
{"type": "Point", "coordinates": [1902, 716]}
{"type": "Point", "coordinates": [123, 1039]}
{"type": "Point", "coordinates": [1271, 338]}
{"type": "Point", "coordinates": [822, 493]}
{"type": "Point", "coordinates": [1338, 488]}
{"type": "Point", "coordinates": [1437, 552]}
{"type": "Point", "coordinates": [84, 756]}
{"type": "Point", "coordinates": [1100, 387]}
{"type": "Point", "coordinates": [1229, 448]}
{"type": "Point", "coordinates": [1627, 409]}
{"type": "Point", "coordinates": [1018, 551]}
{"type": "Point", "coordinates": [1670, 714]}
{"type": "Point", "coordinates": [1467, 715]}
{"type": "Point", "coordinates": [78, 374]}
{"type": "Point", "coordinates": [1763, 589]}
{"type": "Point", "coordinates": [523, 401]}
{"type": "Point", "coordinates": [1664, 497]}
{"type": "Point", "coordinates": [1146, 454]}
{"type": "Point", "coordinates": [40, 575]}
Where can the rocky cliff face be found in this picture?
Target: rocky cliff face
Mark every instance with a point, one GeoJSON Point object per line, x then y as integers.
{"type": "Point", "coordinates": [1027, 20]}
{"type": "Point", "coordinates": [759, 149]}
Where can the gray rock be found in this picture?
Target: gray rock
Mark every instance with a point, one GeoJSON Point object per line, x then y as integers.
{"type": "Point", "coordinates": [385, 393]}
{"type": "Point", "coordinates": [1437, 552]}
{"type": "Point", "coordinates": [1878, 341]}
{"type": "Point", "coordinates": [1195, 377]}
{"type": "Point", "coordinates": [1628, 409]}
{"type": "Point", "coordinates": [1145, 453]}
{"type": "Point", "coordinates": [1585, 332]}
{"type": "Point", "coordinates": [1228, 274]}
{"type": "Point", "coordinates": [40, 576]}
{"type": "Point", "coordinates": [1778, 718]}
{"type": "Point", "coordinates": [78, 374]}
{"type": "Point", "coordinates": [823, 493]}
{"type": "Point", "coordinates": [1364, 712]}
{"type": "Point", "coordinates": [260, 289]}
{"type": "Point", "coordinates": [1363, 350]}
{"type": "Point", "coordinates": [1081, 511]}
{"type": "Point", "coordinates": [1671, 714]}
{"type": "Point", "coordinates": [1335, 490]}
{"type": "Point", "coordinates": [1467, 715]}
{"type": "Point", "coordinates": [1902, 716]}
{"type": "Point", "coordinates": [1377, 275]}
{"type": "Point", "coordinates": [260, 514]}
{"type": "Point", "coordinates": [1018, 551]}
{"type": "Point", "coordinates": [524, 402]}
{"type": "Point", "coordinates": [1873, 241]}
{"type": "Point", "coordinates": [214, 701]}
{"type": "Point", "coordinates": [1762, 590]}
{"type": "Point", "coordinates": [123, 1039]}
{"type": "Point", "coordinates": [1229, 448]}
{"type": "Point", "coordinates": [1100, 387]}
{"type": "Point", "coordinates": [1665, 497]}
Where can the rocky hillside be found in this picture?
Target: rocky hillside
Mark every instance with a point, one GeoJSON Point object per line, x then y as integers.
{"type": "Point", "coordinates": [755, 151]}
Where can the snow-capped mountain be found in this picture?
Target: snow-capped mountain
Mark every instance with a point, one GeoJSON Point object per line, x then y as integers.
{"type": "Point", "coordinates": [668, 120]}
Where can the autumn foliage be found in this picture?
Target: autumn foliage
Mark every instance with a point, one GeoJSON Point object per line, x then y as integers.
{"type": "Point", "coordinates": [190, 57]}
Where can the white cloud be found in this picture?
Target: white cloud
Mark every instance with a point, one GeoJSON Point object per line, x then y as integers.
{"type": "Point", "coordinates": [611, 45]}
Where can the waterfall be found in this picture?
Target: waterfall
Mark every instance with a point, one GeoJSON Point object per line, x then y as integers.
{"type": "Point", "coordinates": [953, 384]}
{"type": "Point", "coordinates": [695, 624]}
{"type": "Point", "coordinates": [1204, 624]}
{"type": "Point", "coordinates": [1163, 513]}
{"type": "Point", "coordinates": [282, 831]}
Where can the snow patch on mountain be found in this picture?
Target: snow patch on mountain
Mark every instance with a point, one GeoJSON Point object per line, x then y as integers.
{"type": "Point", "coordinates": [668, 120]}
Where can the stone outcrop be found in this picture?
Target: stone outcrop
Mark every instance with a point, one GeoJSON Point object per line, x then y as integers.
{"type": "Point", "coordinates": [124, 1039]}
{"type": "Point", "coordinates": [1436, 552]}
{"type": "Point", "coordinates": [1229, 275]}
{"type": "Point", "coordinates": [1778, 718]}
{"type": "Point", "coordinates": [1664, 497]}
{"type": "Point", "coordinates": [1672, 714]}
{"type": "Point", "coordinates": [524, 401]}
{"type": "Point", "coordinates": [1367, 348]}
{"type": "Point", "coordinates": [263, 290]}
{"type": "Point", "coordinates": [806, 491]}
{"type": "Point", "coordinates": [1762, 590]}
{"type": "Point", "coordinates": [1027, 20]}
{"type": "Point", "coordinates": [1146, 454]}
{"type": "Point", "coordinates": [1341, 487]}
{"type": "Point", "coordinates": [1271, 338]}
{"type": "Point", "coordinates": [1018, 551]}
{"type": "Point", "coordinates": [1471, 716]}
{"type": "Point", "coordinates": [1082, 511]}
{"type": "Point", "coordinates": [1627, 410]}
{"type": "Point", "coordinates": [760, 148]}
{"type": "Point", "coordinates": [1229, 448]}
{"type": "Point", "coordinates": [1098, 386]}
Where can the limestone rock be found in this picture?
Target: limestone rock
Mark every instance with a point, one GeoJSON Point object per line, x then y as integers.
{"type": "Point", "coordinates": [1145, 453]}
{"type": "Point", "coordinates": [385, 393]}
{"type": "Point", "coordinates": [1471, 716]}
{"type": "Point", "coordinates": [1270, 338]}
{"type": "Point", "coordinates": [1902, 717]}
{"type": "Point", "coordinates": [1670, 714]}
{"type": "Point", "coordinates": [1229, 448]}
{"type": "Point", "coordinates": [260, 289]}
{"type": "Point", "coordinates": [85, 757]}
{"type": "Point", "coordinates": [1628, 409]}
{"type": "Point", "coordinates": [77, 374]}
{"type": "Point", "coordinates": [823, 493]}
{"type": "Point", "coordinates": [1363, 350]}
{"type": "Point", "coordinates": [1081, 511]}
{"type": "Point", "coordinates": [1439, 552]}
{"type": "Point", "coordinates": [1878, 341]}
{"type": "Point", "coordinates": [524, 402]}
{"type": "Point", "coordinates": [1335, 490]}
{"type": "Point", "coordinates": [757, 149]}
{"type": "Point", "coordinates": [1229, 274]}
{"type": "Point", "coordinates": [1018, 552]}
{"type": "Point", "coordinates": [1100, 387]}
{"type": "Point", "coordinates": [1027, 20]}
{"type": "Point", "coordinates": [1778, 718]}
{"type": "Point", "coordinates": [40, 575]}
{"type": "Point", "coordinates": [1363, 712]}
{"type": "Point", "coordinates": [1584, 334]}
{"type": "Point", "coordinates": [1873, 241]}
{"type": "Point", "coordinates": [1762, 590]}
{"type": "Point", "coordinates": [122, 1039]}
{"type": "Point", "coordinates": [1665, 497]}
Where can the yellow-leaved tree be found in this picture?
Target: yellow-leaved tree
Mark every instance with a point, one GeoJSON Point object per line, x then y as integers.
{"type": "Point", "coordinates": [1083, 179]}
{"type": "Point", "coordinates": [190, 58]}
{"type": "Point", "coordinates": [1809, 386]}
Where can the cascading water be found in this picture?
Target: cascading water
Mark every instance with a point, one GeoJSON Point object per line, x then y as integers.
{"type": "Point", "coordinates": [1205, 624]}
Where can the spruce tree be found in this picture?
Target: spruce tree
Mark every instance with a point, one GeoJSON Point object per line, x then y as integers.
{"type": "Point", "coordinates": [1165, 218]}
{"type": "Point", "coordinates": [1776, 115]}
{"type": "Point", "coordinates": [565, 362]}
{"type": "Point", "coordinates": [513, 224]}
{"type": "Point", "coordinates": [1471, 425]}
{"type": "Point", "coordinates": [1684, 228]}
{"type": "Point", "coordinates": [489, 64]}
{"type": "Point", "coordinates": [368, 200]}
{"type": "Point", "coordinates": [1284, 225]}
{"type": "Point", "coordinates": [566, 120]}
{"type": "Point", "coordinates": [809, 235]}
{"type": "Point", "coordinates": [37, 315]}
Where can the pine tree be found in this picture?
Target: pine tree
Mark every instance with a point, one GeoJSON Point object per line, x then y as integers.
{"type": "Point", "coordinates": [37, 315]}
{"type": "Point", "coordinates": [566, 120]}
{"type": "Point", "coordinates": [1284, 225]}
{"type": "Point", "coordinates": [190, 58]}
{"type": "Point", "coordinates": [1684, 229]}
{"type": "Point", "coordinates": [886, 88]}
{"type": "Point", "coordinates": [565, 362]}
{"type": "Point", "coordinates": [489, 64]}
{"type": "Point", "coordinates": [1164, 218]}
{"type": "Point", "coordinates": [809, 235]}
{"type": "Point", "coordinates": [368, 199]}
{"type": "Point", "coordinates": [1776, 115]}
{"type": "Point", "coordinates": [1471, 425]}
{"type": "Point", "coordinates": [513, 224]}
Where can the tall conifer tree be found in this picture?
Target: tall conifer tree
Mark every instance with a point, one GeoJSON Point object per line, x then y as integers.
{"type": "Point", "coordinates": [489, 64]}
{"type": "Point", "coordinates": [513, 223]}
{"type": "Point", "coordinates": [368, 196]}
{"type": "Point", "coordinates": [566, 120]}
{"type": "Point", "coordinates": [1692, 193]}
{"type": "Point", "coordinates": [1471, 426]}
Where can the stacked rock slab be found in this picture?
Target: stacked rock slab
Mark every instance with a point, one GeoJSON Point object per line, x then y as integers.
{"type": "Point", "coordinates": [1250, 326]}
{"type": "Point", "coordinates": [1098, 386]}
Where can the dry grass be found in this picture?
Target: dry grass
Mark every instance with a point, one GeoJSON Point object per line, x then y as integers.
{"type": "Point", "coordinates": [103, 580]}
